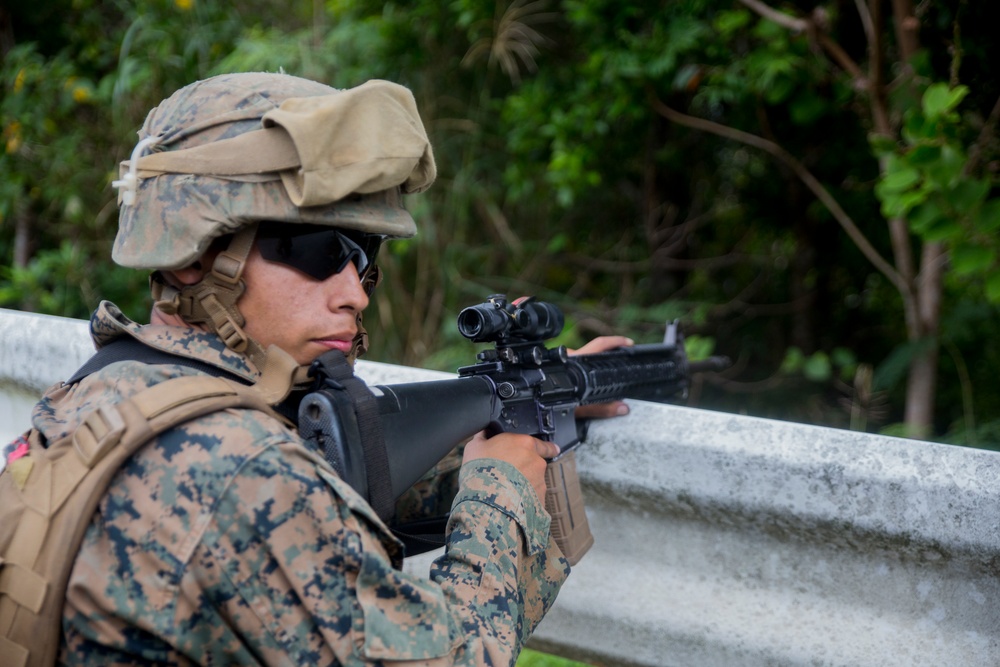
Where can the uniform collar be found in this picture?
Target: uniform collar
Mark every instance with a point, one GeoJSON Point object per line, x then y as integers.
{"type": "Point", "coordinates": [108, 323]}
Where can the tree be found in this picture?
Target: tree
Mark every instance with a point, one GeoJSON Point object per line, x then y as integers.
{"type": "Point", "coordinates": [929, 188]}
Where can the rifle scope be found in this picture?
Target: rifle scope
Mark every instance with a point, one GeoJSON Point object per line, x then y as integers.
{"type": "Point", "coordinates": [497, 321]}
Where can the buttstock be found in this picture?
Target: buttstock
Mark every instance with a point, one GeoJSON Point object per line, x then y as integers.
{"type": "Point", "coordinates": [423, 421]}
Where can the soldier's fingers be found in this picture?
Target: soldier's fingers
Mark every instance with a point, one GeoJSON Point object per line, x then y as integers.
{"type": "Point", "coordinates": [602, 410]}
{"type": "Point", "coordinates": [603, 344]}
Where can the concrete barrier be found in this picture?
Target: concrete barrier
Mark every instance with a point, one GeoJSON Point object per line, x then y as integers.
{"type": "Point", "coordinates": [728, 540]}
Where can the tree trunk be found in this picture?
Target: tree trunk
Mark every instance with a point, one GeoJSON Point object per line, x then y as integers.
{"type": "Point", "coordinates": [22, 238]}
{"type": "Point", "coordinates": [928, 283]}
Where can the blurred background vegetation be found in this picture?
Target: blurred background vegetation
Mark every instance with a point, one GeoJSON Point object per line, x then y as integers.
{"type": "Point", "coordinates": [809, 186]}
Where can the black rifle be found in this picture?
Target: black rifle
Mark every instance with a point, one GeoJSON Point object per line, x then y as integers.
{"type": "Point", "coordinates": [519, 386]}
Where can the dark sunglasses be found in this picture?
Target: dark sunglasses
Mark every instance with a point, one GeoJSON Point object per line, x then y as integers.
{"type": "Point", "coordinates": [318, 251]}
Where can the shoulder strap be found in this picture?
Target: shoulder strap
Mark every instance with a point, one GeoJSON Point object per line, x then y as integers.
{"type": "Point", "coordinates": [126, 348]}
{"type": "Point", "coordinates": [47, 509]}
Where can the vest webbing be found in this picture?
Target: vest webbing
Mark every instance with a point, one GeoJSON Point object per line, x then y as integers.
{"type": "Point", "coordinates": [43, 519]}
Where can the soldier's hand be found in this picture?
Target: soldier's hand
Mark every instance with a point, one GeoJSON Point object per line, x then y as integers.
{"type": "Point", "coordinates": [613, 408]}
{"type": "Point", "coordinates": [525, 453]}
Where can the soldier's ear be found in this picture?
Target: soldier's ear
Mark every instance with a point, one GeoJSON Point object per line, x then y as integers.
{"type": "Point", "coordinates": [193, 273]}
{"type": "Point", "coordinates": [189, 275]}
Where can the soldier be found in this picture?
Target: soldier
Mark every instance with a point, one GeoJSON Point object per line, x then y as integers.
{"type": "Point", "coordinates": [259, 202]}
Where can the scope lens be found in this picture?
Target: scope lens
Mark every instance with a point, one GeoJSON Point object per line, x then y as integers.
{"type": "Point", "coordinates": [482, 323]}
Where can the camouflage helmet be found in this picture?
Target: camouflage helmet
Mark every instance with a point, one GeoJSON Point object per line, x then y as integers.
{"type": "Point", "coordinates": [235, 149]}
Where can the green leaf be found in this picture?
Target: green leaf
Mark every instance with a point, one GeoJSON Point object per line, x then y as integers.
{"type": "Point", "coordinates": [967, 195]}
{"type": "Point", "coordinates": [900, 179]}
{"type": "Point", "coordinates": [924, 217]}
{"type": "Point", "coordinates": [916, 128]}
{"type": "Point", "coordinates": [806, 109]}
{"type": "Point", "coordinates": [968, 258]}
{"type": "Point", "coordinates": [993, 287]}
{"type": "Point", "coordinates": [817, 367]}
{"type": "Point", "coordinates": [987, 219]}
{"type": "Point", "coordinates": [793, 361]}
{"type": "Point", "coordinates": [728, 22]}
{"type": "Point", "coordinates": [842, 356]}
{"type": "Point", "coordinates": [944, 229]}
{"type": "Point", "coordinates": [922, 155]}
{"type": "Point", "coordinates": [947, 171]}
{"type": "Point", "coordinates": [699, 347]}
{"type": "Point", "coordinates": [557, 243]}
{"type": "Point", "coordinates": [881, 145]}
{"type": "Point", "coordinates": [898, 205]}
{"type": "Point", "coordinates": [939, 99]}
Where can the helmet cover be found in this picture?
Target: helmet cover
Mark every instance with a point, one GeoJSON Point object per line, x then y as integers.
{"type": "Point", "coordinates": [179, 209]}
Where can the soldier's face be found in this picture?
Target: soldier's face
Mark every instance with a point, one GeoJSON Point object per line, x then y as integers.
{"type": "Point", "coordinates": [304, 316]}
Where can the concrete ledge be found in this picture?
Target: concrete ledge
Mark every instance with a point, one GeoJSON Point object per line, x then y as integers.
{"type": "Point", "coordinates": [727, 540]}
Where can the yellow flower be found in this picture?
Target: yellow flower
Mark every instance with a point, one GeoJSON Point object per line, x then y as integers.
{"type": "Point", "coordinates": [19, 80]}
{"type": "Point", "coordinates": [13, 135]}
{"type": "Point", "coordinates": [81, 94]}
{"type": "Point", "coordinates": [184, 4]}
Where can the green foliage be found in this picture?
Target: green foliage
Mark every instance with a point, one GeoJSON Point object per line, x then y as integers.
{"type": "Point", "coordinates": [926, 180]}
{"type": "Point", "coordinates": [62, 280]}
{"type": "Point", "coordinates": [981, 436]}
{"type": "Point", "coordinates": [529, 658]}
{"type": "Point", "coordinates": [820, 366]}
{"type": "Point", "coordinates": [68, 113]}
{"type": "Point", "coordinates": [50, 283]}
{"type": "Point", "coordinates": [44, 101]}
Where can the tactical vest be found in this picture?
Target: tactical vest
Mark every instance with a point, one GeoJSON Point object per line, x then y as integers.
{"type": "Point", "coordinates": [48, 495]}
{"type": "Point", "coordinates": [50, 491]}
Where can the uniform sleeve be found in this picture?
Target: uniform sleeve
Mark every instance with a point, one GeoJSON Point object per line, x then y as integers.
{"type": "Point", "coordinates": [301, 571]}
{"type": "Point", "coordinates": [501, 567]}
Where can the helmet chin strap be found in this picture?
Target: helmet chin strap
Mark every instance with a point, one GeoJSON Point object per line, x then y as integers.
{"type": "Point", "coordinates": [212, 301]}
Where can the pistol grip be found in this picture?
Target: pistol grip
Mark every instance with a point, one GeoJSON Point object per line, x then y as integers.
{"type": "Point", "coordinates": [564, 503]}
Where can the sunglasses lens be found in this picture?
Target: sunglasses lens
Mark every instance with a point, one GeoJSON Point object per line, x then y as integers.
{"type": "Point", "coordinates": [319, 252]}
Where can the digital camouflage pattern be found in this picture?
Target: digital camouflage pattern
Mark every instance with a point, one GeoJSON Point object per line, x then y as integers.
{"type": "Point", "coordinates": [228, 541]}
{"type": "Point", "coordinates": [175, 216]}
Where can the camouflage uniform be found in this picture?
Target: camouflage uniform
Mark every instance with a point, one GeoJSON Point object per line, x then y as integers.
{"type": "Point", "coordinates": [227, 541]}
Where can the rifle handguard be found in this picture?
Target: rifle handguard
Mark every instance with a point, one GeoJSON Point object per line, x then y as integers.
{"type": "Point", "coordinates": [564, 503]}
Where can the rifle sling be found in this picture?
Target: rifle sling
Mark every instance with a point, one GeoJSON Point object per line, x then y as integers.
{"type": "Point", "coordinates": [333, 365]}
{"type": "Point", "coordinates": [126, 348]}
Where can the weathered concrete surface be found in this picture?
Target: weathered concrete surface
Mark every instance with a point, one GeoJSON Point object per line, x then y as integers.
{"type": "Point", "coordinates": [732, 541]}
{"type": "Point", "coordinates": [36, 351]}
{"type": "Point", "coordinates": [725, 540]}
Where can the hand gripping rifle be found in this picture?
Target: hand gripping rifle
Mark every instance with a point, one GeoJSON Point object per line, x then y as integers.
{"type": "Point", "coordinates": [519, 386]}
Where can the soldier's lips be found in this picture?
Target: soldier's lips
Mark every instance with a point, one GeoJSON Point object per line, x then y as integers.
{"type": "Point", "coordinates": [335, 344]}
